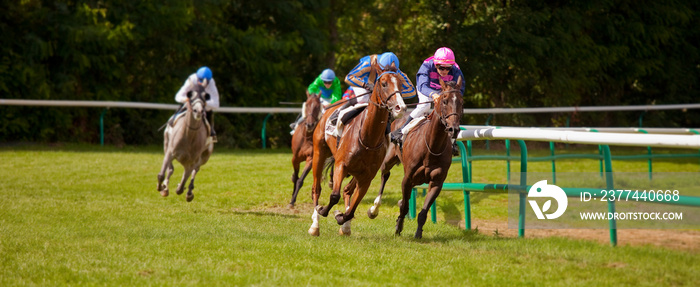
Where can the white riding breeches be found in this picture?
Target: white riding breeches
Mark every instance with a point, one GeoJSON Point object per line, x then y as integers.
{"type": "Point", "coordinates": [422, 110]}
{"type": "Point", "coordinates": [362, 95]}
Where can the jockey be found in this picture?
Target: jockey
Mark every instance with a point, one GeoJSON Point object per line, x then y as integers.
{"type": "Point", "coordinates": [441, 65]}
{"type": "Point", "coordinates": [203, 77]}
{"type": "Point", "coordinates": [361, 79]}
{"type": "Point", "coordinates": [327, 86]}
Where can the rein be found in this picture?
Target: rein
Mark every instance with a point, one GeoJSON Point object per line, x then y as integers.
{"type": "Point", "coordinates": [383, 104]}
{"type": "Point", "coordinates": [430, 151]}
{"type": "Point", "coordinates": [443, 121]}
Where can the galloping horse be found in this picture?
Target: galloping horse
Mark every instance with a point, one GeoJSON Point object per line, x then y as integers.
{"type": "Point", "coordinates": [302, 143]}
{"type": "Point", "coordinates": [426, 154]}
{"type": "Point", "coordinates": [186, 141]}
{"type": "Point", "coordinates": [359, 151]}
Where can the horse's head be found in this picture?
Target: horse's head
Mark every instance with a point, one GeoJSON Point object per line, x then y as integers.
{"type": "Point", "coordinates": [197, 101]}
{"type": "Point", "coordinates": [387, 92]}
{"type": "Point", "coordinates": [313, 111]}
{"type": "Point", "coordinates": [449, 106]}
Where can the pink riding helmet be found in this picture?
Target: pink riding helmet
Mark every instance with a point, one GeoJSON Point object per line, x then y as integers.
{"type": "Point", "coordinates": [444, 56]}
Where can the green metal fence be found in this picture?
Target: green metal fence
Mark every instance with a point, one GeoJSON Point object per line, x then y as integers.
{"type": "Point", "coordinates": [604, 156]}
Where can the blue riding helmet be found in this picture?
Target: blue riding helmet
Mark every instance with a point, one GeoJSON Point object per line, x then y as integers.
{"type": "Point", "coordinates": [204, 73]}
{"type": "Point", "coordinates": [327, 75]}
{"type": "Point", "coordinates": [385, 60]}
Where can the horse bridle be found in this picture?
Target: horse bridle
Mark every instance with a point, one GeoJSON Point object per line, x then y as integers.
{"type": "Point", "coordinates": [316, 119]}
{"type": "Point", "coordinates": [382, 103]}
{"type": "Point", "coordinates": [443, 118]}
{"type": "Point", "coordinates": [443, 121]}
{"type": "Point", "coordinates": [197, 98]}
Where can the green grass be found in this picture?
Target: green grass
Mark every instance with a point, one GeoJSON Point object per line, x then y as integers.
{"type": "Point", "coordinates": [89, 215]}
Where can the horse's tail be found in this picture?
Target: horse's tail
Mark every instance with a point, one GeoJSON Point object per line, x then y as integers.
{"type": "Point", "coordinates": [328, 166]}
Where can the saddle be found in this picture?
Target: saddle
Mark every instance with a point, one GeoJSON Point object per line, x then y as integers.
{"type": "Point", "coordinates": [410, 126]}
{"type": "Point", "coordinates": [182, 114]}
{"type": "Point", "coordinates": [348, 113]}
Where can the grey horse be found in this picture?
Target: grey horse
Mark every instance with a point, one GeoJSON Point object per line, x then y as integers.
{"type": "Point", "coordinates": [187, 142]}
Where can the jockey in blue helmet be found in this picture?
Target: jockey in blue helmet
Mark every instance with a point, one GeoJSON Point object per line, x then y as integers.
{"type": "Point", "coordinates": [203, 77]}
{"type": "Point", "coordinates": [362, 79]}
{"type": "Point", "coordinates": [327, 86]}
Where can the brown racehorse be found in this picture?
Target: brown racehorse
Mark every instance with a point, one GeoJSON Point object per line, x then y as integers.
{"type": "Point", "coordinates": [359, 152]}
{"type": "Point", "coordinates": [186, 141]}
{"type": "Point", "coordinates": [426, 155]}
{"type": "Point", "coordinates": [302, 143]}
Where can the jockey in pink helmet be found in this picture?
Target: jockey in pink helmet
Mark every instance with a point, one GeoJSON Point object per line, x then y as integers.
{"type": "Point", "coordinates": [441, 65]}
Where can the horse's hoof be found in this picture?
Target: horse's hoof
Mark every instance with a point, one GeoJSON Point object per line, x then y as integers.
{"type": "Point", "coordinates": [340, 218]}
{"type": "Point", "coordinates": [343, 232]}
{"type": "Point", "coordinates": [313, 231]}
{"type": "Point", "coordinates": [372, 214]}
{"type": "Point", "coordinates": [179, 190]}
{"type": "Point", "coordinates": [319, 209]}
{"type": "Point", "coordinates": [164, 193]}
{"type": "Point", "coordinates": [419, 235]}
{"type": "Point", "coordinates": [190, 197]}
{"type": "Point", "coordinates": [290, 206]}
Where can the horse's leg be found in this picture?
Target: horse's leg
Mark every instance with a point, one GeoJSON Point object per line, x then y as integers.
{"type": "Point", "coordinates": [406, 188]}
{"type": "Point", "coordinates": [360, 191]}
{"type": "Point", "coordinates": [190, 195]}
{"type": "Point", "coordinates": [338, 175]}
{"type": "Point", "coordinates": [295, 178]}
{"type": "Point", "coordinates": [162, 179]}
{"type": "Point", "coordinates": [317, 162]}
{"type": "Point", "coordinates": [435, 188]}
{"type": "Point", "coordinates": [168, 174]}
{"type": "Point", "coordinates": [185, 176]}
{"type": "Point", "coordinates": [389, 161]}
{"type": "Point", "coordinates": [348, 191]}
{"type": "Point", "coordinates": [330, 179]}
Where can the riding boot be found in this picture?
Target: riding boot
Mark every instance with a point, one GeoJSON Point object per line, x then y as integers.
{"type": "Point", "coordinates": [294, 125]}
{"type": "Point", "coordinates": [397, 135]}
{"type": "Point", "coordinates": [210, 120]}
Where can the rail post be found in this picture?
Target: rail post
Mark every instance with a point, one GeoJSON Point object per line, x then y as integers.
{"type": "Point", "coordinates": [523, 182]}
{"type": "Point", "coordinates": [264, 126]}
{"type": "Point", "coordinates": [102, 126]}
{"type": "Point", "coordinates": [465, 178]}
{"type": "Point", "coordinates": [554, 165]}
{"type": "Point", "coordinates": [610, 186]}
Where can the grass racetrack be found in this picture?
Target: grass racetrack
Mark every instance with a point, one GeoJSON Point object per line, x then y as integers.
{"type": "Point", "coordinates": [91, 215]}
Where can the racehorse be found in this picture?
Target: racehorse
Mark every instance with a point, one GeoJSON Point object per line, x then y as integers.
{"type": "Point", "coordinates": [302, 143]}
{"type": "Point", "coordinates": [426, 154]}
{"type": "Point", "coordinates": [358, 152]}
{"type": "Point", "coordinates": [186, 141]}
